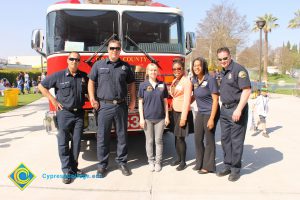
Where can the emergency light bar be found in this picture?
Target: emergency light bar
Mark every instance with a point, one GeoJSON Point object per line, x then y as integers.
{"type": "Point", "coordinates": [121, 2]}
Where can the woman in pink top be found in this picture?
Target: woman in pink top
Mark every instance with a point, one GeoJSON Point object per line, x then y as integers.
{"type": "Point", "coordinates": [180, 90]}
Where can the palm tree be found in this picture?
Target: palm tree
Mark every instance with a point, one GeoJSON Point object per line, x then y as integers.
{"type": "Point", "coordinates": [295, 22]}
{"type": "Point", "coordinates": [270, 24]}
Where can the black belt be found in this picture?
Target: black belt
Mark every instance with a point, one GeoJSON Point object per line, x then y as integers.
{"type": "Point", "coordinates": [229, 105]}
{"type": "Point", "coordinates": [115, 101]}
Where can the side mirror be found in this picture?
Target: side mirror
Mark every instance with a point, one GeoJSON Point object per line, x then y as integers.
{"type": "Point", "coordinates": [190, 41]}
{"type": "Point", "coordinates": [37, 40]}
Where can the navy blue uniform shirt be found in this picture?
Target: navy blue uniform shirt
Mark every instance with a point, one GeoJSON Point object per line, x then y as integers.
{"type": "Point", "coordinates": [234, 79]}
{"type": "Point", "coordinates": [112, 79]}
{"type": "Point", "coordinates": [203, 91]}
{"type": "Point", "coordinates": [70, 91]}
{"type": "Point", "coordinates": [153, 99]}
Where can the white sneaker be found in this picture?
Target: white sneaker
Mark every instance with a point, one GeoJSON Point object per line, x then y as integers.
{"type": "Point", "coordinates": [151, 167]}
{"type": "Point", "coordinates": [157, 167]}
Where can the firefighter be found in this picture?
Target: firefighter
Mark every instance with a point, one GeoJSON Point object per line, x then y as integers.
{"type": "Point", "coordinates": [235, 90]}
{"type": "Point", "coordinates": [112, 76]}
{"type": "Point", "coordinates": [70, 88]}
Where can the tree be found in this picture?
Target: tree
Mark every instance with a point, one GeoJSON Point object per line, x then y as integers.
{"type": "Point", "coordinates": [270, 24]}
{"type": "Point", "coordinates": [222, 26]}
{"type": "Point", "coordinates": [249, 57]}
{"type": "Point", "coordinates": [295, 22]}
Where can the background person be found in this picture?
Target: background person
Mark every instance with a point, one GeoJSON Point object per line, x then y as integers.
{"type": "Point", "coordinates": [154, 114]}
{"type": "Point", "coordinates": [235, 90]}
{"type": "Point", "coordinates": [112, 76]}
{"type": "Point", "coordinates": [206, 94]}
{"type": "Point", "coordinates": [180, 90]}
{"type": "Point", "coordinates": [261, 106]}
{"type": "Point", "coordinates": [70, 87]}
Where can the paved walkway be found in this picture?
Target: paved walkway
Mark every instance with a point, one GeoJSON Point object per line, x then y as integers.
{"type": "Point", "coordinates": [270, 166]}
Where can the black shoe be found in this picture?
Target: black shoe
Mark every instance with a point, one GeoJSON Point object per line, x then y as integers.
{"type": "Point", "coordinates": [174, 163]}
{"type": "Point", "coordinates": [224, 172]}
{"type": "Point", "coordinates": [66, 179]}
{"type": "Point", "coordinates": [196, 168]}
{"type": "Point", "coordinates": [101, 172]}
{"type": "Point", "coordinates": [78, 172]}
{"type": "Point", "coordinates": [233, 177]}
{"type": "Point", "coordinates": [124, 169]}
{"type": "Point", "coordinates": [181, 167]}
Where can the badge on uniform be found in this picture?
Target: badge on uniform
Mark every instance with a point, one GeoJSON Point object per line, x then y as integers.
{"type": "Point", "coordinates": [124, 67]}
{"type": "Point", "coordinates": [82, 80]}
{"type": "Point", "coordinates": [229, 76]}
{"type": "Point", "coordinates": [204, 84]}
{"type": "Point", "coordinates": [242, 74]}
{"type": "Point", "coordinates": [196, 85]}
{"type": "Point", "coordinates": [149, 88]}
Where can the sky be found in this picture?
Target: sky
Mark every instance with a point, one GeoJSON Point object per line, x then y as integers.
{"type": "Point", "coordinates": [19, 17]}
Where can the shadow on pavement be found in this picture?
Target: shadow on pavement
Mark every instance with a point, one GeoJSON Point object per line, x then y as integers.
{"type": "Point", "coordinates": [136, 151]}
{"type": "Point", "coordinates": [255, 159]}
{"type": "Point", "coordinates": [22, 129]}
{"type": "Point", "coordinates": [7, 140]}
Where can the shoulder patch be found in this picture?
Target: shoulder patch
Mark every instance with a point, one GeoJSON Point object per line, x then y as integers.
{"type": "Point", "coordinates": [242, 74]}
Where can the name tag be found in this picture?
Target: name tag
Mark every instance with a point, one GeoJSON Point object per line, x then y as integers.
{"type": "Point", "coordinates": [161, 86]}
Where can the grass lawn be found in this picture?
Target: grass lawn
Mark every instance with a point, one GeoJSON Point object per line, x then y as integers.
{"type": "Point", "coordinates": [23, 100]}
{"type": "Point", "coordinates": [281, 77]}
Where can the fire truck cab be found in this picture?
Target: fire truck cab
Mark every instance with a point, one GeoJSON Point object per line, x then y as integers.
{"type": "Point", "coordinates": [149, 32]}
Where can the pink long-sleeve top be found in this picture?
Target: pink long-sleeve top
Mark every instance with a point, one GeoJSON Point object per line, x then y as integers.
{"type": "Point", "coordinates": [181, 91]}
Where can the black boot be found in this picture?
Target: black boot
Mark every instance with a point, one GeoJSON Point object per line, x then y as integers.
{"type": "Point", "coordinates": [182, 147]}
{"type": "Point", "coordinates": [178, 160]}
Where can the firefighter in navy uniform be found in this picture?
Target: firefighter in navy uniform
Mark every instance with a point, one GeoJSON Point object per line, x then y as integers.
{"type": "Point", "coordinates": [235, 90]}
{"type": "Point", "coordinates": [112, 76]}
{"type": "Point", "coordinates": [71, 89]}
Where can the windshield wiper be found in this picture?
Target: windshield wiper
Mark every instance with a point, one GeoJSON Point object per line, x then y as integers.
{"type": "Point", "coordinates": [89, 60]}
{"type": "Point", "coordinates": [141, 50]}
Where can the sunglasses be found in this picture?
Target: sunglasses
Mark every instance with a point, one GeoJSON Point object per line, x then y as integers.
{"type": "Point", "coordinates": [225, 58]}
{"type": "Point", "coordinates": [74, 59]}
{"type": "Point", "coordinates": [177, 69]}
{"type": "Point", "coordinates": [115, 48]}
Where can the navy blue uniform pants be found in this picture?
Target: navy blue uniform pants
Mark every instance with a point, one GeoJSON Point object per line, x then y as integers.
{"type": "Point", "coordinates": [70, 127]}
{"type": "Point", "coordinates": [205, 154]}
{"type": "Point", "coordinates": [233, 137]}
{"type": "Point", "coordinates": [106, 115]}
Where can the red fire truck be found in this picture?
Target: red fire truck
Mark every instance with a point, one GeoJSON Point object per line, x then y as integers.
{"type": "Point", "coordinates": [149, 32]}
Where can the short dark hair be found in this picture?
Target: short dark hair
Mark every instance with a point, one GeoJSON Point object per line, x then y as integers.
{"type": "Point", "coordinates": [178, 61]}
{"type": "Point", "coordinates": [114, 41]}
{"type": "Point", "coordinates": [203, 63]}
{"type": "Point", "coordinates": [226, 49]}
{"type": "Point", "coordinates": [75, 53]}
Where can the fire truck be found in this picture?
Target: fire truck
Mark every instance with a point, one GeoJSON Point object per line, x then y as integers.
{"type": "Point", "coordinates": [148, 31]}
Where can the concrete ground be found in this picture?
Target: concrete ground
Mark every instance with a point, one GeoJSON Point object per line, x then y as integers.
{"type": "Point", "coordinates": [270, 165]}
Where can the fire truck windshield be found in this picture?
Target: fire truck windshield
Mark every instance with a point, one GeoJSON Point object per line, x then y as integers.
{"type": "Point", "coordinates": [85, 31]}
{"type": "Point", "coordinates": [79, 30]}
{"type": "Point", "coordinates": [153, 32]}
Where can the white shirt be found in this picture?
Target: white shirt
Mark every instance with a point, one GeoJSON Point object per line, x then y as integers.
{"type": "Point", "coordinates": [261, 105]}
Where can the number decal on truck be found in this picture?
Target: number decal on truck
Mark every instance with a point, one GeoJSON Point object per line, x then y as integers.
{"type": "Point", "coordinates": [133, 121]}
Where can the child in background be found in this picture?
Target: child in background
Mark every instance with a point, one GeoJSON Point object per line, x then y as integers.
{"type": "Point", "coordinates": [262, 108]}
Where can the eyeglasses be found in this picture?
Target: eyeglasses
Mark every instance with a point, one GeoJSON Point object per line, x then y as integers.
{"type": "Point", "coordinates": [115, 48]}
{"type": "Point", "coordinates": [177, 69]}
{"type": "Point", "coordinates": [225, 58]}
{"type": "Point", "coordinates": [74, 59]}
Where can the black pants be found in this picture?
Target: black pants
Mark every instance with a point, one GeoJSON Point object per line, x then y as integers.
{"type": "Point", "coordinates": [70, 128]}
{"type": "Point", "coordinates": [205, 154]}
{"type": "Point", "coordinates": [107, 114]}
{"type": "Point", "coordinates": [233, 137]}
